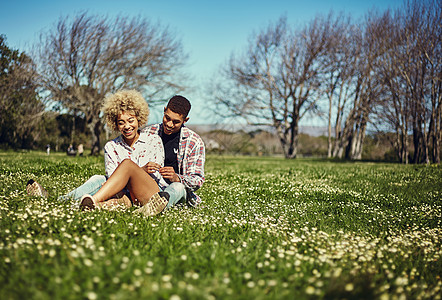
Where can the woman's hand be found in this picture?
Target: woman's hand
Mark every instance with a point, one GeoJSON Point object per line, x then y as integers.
{"type": "Point", "coordinates": [151, 167]}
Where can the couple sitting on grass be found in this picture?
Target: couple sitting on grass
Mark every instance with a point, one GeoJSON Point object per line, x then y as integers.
{"type": "Point", "coordinates": [154, 167]}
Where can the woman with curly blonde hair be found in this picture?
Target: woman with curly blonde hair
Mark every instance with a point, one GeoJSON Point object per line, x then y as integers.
{"type": "Point", "coordinates": [126, 111]}
{"type": "Point", "coordinates": [129, 101]}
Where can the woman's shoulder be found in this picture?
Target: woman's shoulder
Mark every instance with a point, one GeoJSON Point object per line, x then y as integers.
{"type": "Point", "coordinates": [149, 137]}
{"type": "Point", "coordinates": [114, 142]}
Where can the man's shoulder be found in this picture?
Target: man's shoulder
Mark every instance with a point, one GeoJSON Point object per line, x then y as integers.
{"type": "Point", "coordinates": [192, 135]}
{"type": "Point", "coordinates": [152, 129]}
{"type": "Point", "coordinates": [189, 132]}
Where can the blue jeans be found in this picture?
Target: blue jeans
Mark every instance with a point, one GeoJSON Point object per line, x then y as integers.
{"type": "Point", "coordinates": [176, 190]}
{"type": "Point", "coordinates": [177, 193]}
{"type": "Point", "coordinates": [91, 187]}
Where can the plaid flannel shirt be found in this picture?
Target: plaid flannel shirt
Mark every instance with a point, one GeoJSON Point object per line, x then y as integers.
{"type": "Point", "coordinates": [191, 158]}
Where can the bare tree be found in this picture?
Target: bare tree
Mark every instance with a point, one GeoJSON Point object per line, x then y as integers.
{"type": "Point", "coordinates": [354, 81]}
{"type": "Point", "coordinates": [395, 109]}
{"type": "Point", "coordinates": [385, 71]}
{"type": "Point", "coordinates": [84, 58]}
{"type": "Point", "coordinates": [276, 82]}
{"type": "Point", "coordinates": [366, 89]}
{"type": "Point", "coordinates": [423, 23]}
{"type": "Point", "coordinates": [412, 73]}
{"type": "Point", "coordinates": [340, 79]}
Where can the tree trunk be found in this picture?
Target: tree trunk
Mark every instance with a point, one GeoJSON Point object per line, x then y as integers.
{"type": "Point", "coordinates": [329, 146]}
{"type": "Point", "coordinates": [358, 145]}
{"type": "Point", "coordinates": [399, 146]}
{"type": "Point", "coordinates": [283, 139]}
{"type": "Point", "coordinates": [352, 145]}
{"type": "Point", "coordinates": [293, 141]}
{"type": "Point", "coordinates": [425, 145]}
{"type": "Point", "coordinates": [417, 142]}
{"type": "Point", "coordinates": [293, 149]}
{"type": "Point", "coordinates": [405, 144]}
{"type": "Point", "coordinates": [434, 133]}
{"type": "Point", "coordinates": [437, 135]}
{"type": "Point", "coordinates": [437, 145]}
{"type": "Point", "coordinates": [95, 128]}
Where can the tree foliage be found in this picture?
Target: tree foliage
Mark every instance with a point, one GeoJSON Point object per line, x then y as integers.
{"type": "Point", "coordinates": [20, 106]}
{"type": "Point", "coordinates": [86, 57]}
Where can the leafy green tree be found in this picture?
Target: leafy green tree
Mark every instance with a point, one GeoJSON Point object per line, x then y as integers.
{"type": "Point", "coordinates": [20, 106]}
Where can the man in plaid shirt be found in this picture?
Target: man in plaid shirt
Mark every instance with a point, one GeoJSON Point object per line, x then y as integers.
{"type": "Point", "coordinates": [184, 159]}
{"type": "Point", "coordinates": [184, 154]}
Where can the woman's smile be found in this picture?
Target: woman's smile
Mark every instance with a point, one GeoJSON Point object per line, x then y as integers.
{"type": "Point", "coordinates": [128, 126]}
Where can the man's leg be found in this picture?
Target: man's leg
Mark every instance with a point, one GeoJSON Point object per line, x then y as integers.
{"type": "Point", "coordinates": [91, 186]}
{"type": "Point", "coordinates": [177, 193]}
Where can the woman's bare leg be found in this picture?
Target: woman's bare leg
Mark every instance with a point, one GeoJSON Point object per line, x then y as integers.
{"type": "Point", "coordinates": [140, 184]}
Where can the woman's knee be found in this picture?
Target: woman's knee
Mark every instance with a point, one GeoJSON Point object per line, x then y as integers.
{"type": "Point", "coordinates": [126, 161]}
{"type": "Point", "coordinates": [127, 164]}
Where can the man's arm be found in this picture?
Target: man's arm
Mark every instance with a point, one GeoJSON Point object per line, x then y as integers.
{"type": "Point", "coordinates": [193, 166]}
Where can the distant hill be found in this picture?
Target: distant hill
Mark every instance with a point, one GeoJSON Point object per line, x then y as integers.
{"type": "Point", "coordinates": [204, 128]}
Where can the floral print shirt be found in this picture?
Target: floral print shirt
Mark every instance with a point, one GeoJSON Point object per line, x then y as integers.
{"type": "Point", "coordinates": [148, 147]}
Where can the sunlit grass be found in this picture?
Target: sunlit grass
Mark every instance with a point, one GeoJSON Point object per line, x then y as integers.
{"type": "Point", "coordinates": [267, 228]}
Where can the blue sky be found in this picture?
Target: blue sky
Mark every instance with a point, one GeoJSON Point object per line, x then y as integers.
{"type": "Point", "coordinates": [209, 30]}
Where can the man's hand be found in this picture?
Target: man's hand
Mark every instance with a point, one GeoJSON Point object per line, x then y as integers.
{"type": "Point", "coordinates": [151, 167]}
{"type": "Point", "coordinates": [169, 173]}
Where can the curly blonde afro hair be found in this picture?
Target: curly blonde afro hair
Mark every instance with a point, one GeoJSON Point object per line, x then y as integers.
{"type": "Point", "coordinates": [130, 101]}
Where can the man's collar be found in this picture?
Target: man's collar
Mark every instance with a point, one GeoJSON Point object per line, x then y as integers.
{"type": "Point", "coordinates": [184, 132]}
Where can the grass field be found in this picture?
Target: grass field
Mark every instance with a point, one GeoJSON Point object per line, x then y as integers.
{"type": "Point", "coordinates": [268, 228]}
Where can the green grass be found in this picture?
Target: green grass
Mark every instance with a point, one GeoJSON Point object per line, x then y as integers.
{"type": "Point", "coordinates": [268, 228]}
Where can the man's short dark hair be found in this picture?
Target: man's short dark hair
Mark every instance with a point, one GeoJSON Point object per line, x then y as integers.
{"type": "Point", "coordinates": [180, 105]}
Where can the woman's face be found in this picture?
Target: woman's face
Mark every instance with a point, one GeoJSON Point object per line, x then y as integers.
{"type": "Point", "coordinates": [128, 126]}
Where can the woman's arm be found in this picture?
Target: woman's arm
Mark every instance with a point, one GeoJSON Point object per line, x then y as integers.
{"type": "Point", "coordinates": [110, 158]}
